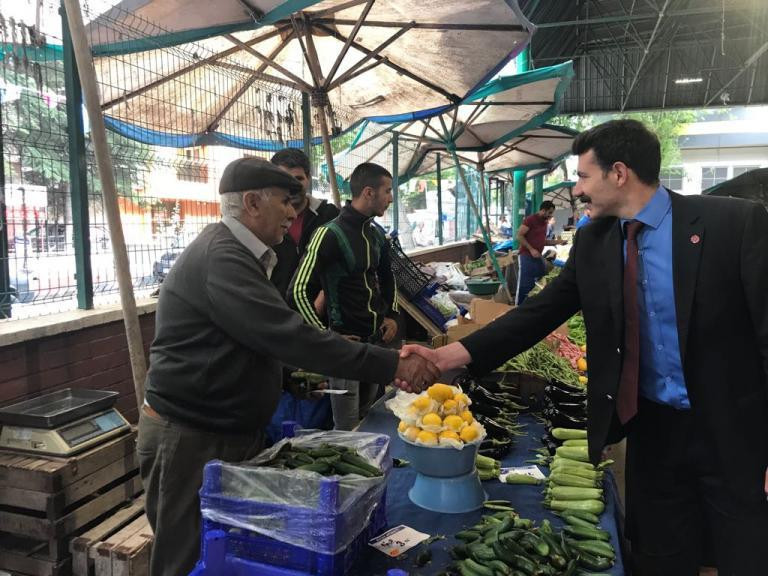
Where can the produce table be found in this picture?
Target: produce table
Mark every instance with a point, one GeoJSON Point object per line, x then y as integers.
{"type": "Point", "coordinates": [527, 500]}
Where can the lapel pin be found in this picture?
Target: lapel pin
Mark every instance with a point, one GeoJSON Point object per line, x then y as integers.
{"type": "Point", "coordinates": [695, 239]}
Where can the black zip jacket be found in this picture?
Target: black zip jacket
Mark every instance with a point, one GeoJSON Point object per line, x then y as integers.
{"type": "Point", "coordinates": [288, 253]}
{"type": "Point", "coordinates": [349, 260]}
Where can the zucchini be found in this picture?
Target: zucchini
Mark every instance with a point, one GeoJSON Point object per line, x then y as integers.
{"type": "Point", "coordinates": [568, 433]}
{"type": "Point", "coordinates": [578, 453]}
{"type": "Point", "coordinates": [575, 442]}
{"type": "Point", "coordinates": [563, 479]}
{"type": "Point", "coordinates": [521, 479]}
{"type": "Point", "coordinates": [586, 533]}
{"type": "Point", "coordinates": [594, 506]}
{"type": "Point", "coordinates": [576, 521]}
{"type": "Point", "coordinates": [596, 547]}
{"type": "Point", "coordinates": [574, 493]}
{"type": "Point", "coordinates": [583, 514]}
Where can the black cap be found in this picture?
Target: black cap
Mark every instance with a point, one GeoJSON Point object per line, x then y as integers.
{"type": "Point", "coordinates": [253, 174]}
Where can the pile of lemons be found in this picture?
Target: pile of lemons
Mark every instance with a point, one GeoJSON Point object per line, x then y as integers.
{"type": "Point", "coordinates": [440, 416]}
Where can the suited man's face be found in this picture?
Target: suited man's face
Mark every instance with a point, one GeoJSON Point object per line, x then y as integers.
{"type": "Point", "coordinates": [599, 188]}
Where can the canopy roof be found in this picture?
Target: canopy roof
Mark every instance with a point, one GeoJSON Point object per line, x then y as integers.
{"type": "Point", "coordinates": [382, 58]}
{"type": "Point", "coordinates": [481, 127]}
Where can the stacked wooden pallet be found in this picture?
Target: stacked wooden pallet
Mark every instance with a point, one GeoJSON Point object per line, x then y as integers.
{"type": "Point", "coordinates": [46, 501]}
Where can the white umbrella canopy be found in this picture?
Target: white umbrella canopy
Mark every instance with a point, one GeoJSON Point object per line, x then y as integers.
{"type": "Point", "coordinates": [483, 128]}
{"type": "Point", "coordinates": [376, 57]}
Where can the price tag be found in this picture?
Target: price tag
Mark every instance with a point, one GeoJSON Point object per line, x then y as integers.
{"type": "Point", "coordinates": [533, 471]}
{"type": "Point", "coordinates": [397, 540]}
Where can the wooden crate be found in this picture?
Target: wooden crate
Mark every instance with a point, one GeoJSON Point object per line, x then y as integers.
{"type": "Point", "coordinates": [92, 550]}
{"type": "Point", "coordinates": [44, 501]}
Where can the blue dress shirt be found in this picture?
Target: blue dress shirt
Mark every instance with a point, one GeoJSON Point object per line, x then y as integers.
{"type": "Point", "coordinates": [661, 370]}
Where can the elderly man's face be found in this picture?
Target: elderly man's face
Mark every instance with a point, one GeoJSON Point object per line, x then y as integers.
{"type": "Point", "coordinates": [270, 216]}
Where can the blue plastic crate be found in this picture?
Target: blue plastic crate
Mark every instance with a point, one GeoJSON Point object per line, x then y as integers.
{"type": "Point", "coordinates": [228, 551]}
{"type": "Point", "coordinates": [430, 311]}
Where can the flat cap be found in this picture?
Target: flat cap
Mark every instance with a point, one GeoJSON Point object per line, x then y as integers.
{"type": "Point", "coordinates": [253, 174]}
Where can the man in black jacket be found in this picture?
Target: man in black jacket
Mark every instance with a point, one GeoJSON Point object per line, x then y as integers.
{"type": "Point", "coordinates": [348, 259]}
{"type": "Point", "coordinates": [674, 292]}
{"type": "Point", "coordinates": [310, 213]}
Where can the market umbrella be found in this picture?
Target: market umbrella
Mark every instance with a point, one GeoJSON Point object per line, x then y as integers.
{"type": "Point", "coordinates": [752, 185]}
{"type": "Point", "coordinates": [377, 57]}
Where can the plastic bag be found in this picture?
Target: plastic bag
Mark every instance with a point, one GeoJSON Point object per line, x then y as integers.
{"type": "Point", "coordinates": [320, 513]}
{"type": "Point", "coordinates": [442, 301]}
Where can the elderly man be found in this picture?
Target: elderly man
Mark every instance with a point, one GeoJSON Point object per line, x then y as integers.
{"type": "Point", "coordinates": [222, 333]}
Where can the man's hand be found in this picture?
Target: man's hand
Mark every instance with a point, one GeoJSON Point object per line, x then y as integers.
{"type": "Point", "coordinates": [535, 253]}
{"type": "Point", "coordinates": [414, 373]}
{"type": "Point", "coordinates": [766, 483]}
{"type": "Point", "coordinates": [389, 328]}
{"type": "Point", "coordinates": [445, 358]}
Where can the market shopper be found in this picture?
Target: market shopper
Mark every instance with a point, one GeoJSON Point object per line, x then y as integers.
{"type": "Point", "coordinates": [222, 333]}
{"type": "Point", "coordinates": [311, 213]}
{"type": "Point", "coordinates": [674, 292]}
{"type": "Point", "coordinates": [532, 237]}
{"type": "Point", "coordinates": [349, 260]}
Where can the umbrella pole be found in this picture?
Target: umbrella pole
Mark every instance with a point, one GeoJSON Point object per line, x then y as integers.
{"type": "Point", "coordinates": [104, 160]}
{"type": "Point", "coordinates": [479, 218]}
{"type": "Point", "coordinates": [486, 201]}
{"type": "Point", "coordinates": [329, 156]}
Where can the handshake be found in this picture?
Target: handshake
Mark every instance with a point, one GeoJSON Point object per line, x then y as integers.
{"type": "Point", "coordinates": [419, 367]}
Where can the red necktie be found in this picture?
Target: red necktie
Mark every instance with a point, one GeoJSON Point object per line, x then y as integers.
{"type": "Point", "coordinates": [626, 405]}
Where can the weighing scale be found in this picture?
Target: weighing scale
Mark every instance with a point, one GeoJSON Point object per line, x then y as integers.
{"type": "Point", "coordinates": [61, 423]}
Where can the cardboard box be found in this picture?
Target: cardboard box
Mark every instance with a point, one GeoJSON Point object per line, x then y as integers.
{"type": "Point", "coordinates": [481, 312]}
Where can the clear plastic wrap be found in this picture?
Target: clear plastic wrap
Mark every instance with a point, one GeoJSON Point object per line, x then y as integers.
{"type": "Point", "coordinates": [320, 513]}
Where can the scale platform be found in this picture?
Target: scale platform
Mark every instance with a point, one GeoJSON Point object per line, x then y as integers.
{"type": "Point", "coordinates": [61, 423]}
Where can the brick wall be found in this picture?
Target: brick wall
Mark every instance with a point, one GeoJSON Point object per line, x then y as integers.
{"type": "Point", "coordinates": [94, 357]}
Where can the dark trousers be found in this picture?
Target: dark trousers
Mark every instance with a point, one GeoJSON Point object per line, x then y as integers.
{"type": "Point", "coordinates": [681, 514]}
{"type": "Point", "coordinates": [171, 459]}
{"type": "Point", "coordinates": [530, 269]}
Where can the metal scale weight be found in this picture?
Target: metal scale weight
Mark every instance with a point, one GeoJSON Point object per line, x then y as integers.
{"type": "Point", "coordinates": [61, 423]}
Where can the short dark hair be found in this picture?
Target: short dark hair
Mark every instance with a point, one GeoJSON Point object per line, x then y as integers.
{"type": "Point", "coordinates": [547, 205]}
{"type": "Point", "coordinates": [627, 141]}
{"type": "Point", "coordinates": [367, 174]}
{"type": "Point", "coordinates": [291, 158]}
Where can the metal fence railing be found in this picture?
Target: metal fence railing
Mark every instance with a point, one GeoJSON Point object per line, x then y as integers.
{"type": "Point", "coordinates": [167, 194]}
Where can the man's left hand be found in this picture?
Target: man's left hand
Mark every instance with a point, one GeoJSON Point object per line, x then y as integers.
{"type": "Point", "coordinates": [389, 328]}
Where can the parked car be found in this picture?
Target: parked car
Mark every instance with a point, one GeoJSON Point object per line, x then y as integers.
{"type": "Point", "coordinates": [162, 266]}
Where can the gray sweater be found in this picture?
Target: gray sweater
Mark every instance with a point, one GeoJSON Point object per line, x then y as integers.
{"type": "Point", "coordinates": [222, 334]}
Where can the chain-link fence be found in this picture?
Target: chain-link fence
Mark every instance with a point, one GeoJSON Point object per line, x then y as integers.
{"type": "Point", "coordinates": [167, 163]}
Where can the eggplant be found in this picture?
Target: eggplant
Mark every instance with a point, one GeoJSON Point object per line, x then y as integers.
{"type": "Point", "coordinates": [486, 409]}
{"type": "Point", "coordinates": [575, 410]}
{"type": "Point", "coordinates": [561, 420]}
{"type": "Point", "coordinates": [566, 387]}
{"type": "Point", "coordinates": [492, 427]}
{"type": "Point", "coordinates": [480, 394]}
{"type": "Point", "coordinates": [549, 443]}
{"type": "Point", "coordinates": [559, 395]}
{"type": "Point", "coordinates": [495, 453]}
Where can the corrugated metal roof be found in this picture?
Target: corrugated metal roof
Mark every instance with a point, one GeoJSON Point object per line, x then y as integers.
{"type": "Point", "coordinates": [628, 54]}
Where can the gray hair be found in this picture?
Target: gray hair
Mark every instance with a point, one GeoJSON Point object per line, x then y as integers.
{"type": "Point", "coordinates": [232, 202]}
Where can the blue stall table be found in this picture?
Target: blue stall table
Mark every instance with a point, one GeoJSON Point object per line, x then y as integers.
{"type": "Point", "coordinates": [527, 501]}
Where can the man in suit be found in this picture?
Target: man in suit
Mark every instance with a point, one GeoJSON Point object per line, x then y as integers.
{"type": "Point", "coordinates": [674, 292]}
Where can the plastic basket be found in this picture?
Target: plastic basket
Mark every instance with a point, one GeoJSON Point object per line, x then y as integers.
{"type": "Point", "coordinates": [429, 310]}
{"type": "Point", "coordinates": [410, 279]}
{"type": "Point", "coordinates": [228, 551]}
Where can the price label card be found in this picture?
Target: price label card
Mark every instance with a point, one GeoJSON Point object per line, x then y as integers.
{"type": "Point", "coordinates": [397, 540]}
{"type": "Point", "coordinates": [533, 471]}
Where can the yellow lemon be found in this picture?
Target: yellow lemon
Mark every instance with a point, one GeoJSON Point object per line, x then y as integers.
{"type": "Point", "coordinates": [427, 438]}
{"type": "Point", "coordinates": [450, 406]}
{"type": "Point", "coordinates": [421, 403]}
{"type": "Point", "coordinates": [450, 438]}
{"type": "Point", "coordinates": [581, 364]}
{"type": "Point", "coordinates": [462, 400]}
{"type": "Point", "coordinates": [412, 432]}
{"type": "Point", "coordinates": [584, 348]}
{"type": "Point", "coordinates": [431, 419]}
{"type": "Point", "coordinates": [467, 417]}
{"type": "Point", "coordinates": [403, 426]}
{"type": "Point", "coordinates": [440, 392]}
{"type": "Point", "coordinates": [583, 380]}
{"type": "Point", "coordinates": [453, 422]}
{"type": "Point", "coordinates": [469, 434]}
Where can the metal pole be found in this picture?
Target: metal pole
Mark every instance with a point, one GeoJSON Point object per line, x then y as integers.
{"type": "Point", "coordinates": [538, 192]}
{"type": "Point", "coordinates": [456, 208]}
{"type": "Point", "coordinates": [78, 188]}
{"type": "Point", "coordinates": [479, 219]}
{"type": "Point", "coordinates": [518, 193]}
{"type": "Point", "coordinates": [439, 203]}
{"type": "Point", "coordinates": [306, 122]}
{"type": "Point", "coordinates": [395, 180]}
{"type": "Point", "coordinates": [87, 74]}
{"type": "Point", "coordinates": [5, 274]}
{"type": "Point", "coordinates": [329, 156]}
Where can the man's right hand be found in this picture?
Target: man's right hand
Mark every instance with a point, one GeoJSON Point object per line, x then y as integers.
{"type": "Point", "coordinates": [535, 253]}
{"type": "Point", "coordinates": [415, 373]}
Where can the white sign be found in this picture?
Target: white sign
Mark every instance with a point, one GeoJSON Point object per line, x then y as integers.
{"type": "Point", "coordinates": [397, 540]}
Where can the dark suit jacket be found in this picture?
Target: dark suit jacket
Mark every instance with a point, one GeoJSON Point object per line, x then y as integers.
{"type": "Point", "coordinates": [721, 298]}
